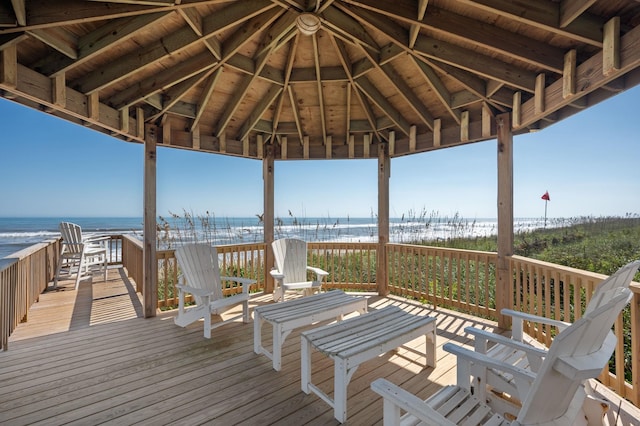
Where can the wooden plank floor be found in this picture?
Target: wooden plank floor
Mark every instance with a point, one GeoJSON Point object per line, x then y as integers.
{"type": "Point", "coordinates": [88, 357]}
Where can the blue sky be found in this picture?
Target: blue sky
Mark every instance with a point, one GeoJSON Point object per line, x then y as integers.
{"type": "Point", "coordinates": [588, 163]}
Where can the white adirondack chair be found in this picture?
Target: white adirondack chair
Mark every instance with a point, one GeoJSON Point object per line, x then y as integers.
{"type": "Point", "coordinates": [556, 397]}
{"type": "Point", "coordinates": [201, 271]}
{"type": "Point", "coordinates": [518, 352]}
{"type": "Point", "coordinates": [291, 268]}
{"type": "Point", "coordinates": [80, 255]}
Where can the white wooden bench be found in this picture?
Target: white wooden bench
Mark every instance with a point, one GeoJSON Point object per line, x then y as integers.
{"type": "Point", "coordinates": [356, 340]}
{"type": "Point", "coordinates": [286, 316]}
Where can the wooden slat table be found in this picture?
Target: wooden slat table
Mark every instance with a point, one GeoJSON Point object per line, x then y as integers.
{"type": "Point", "coordinates": [356, 340]}
{"type": "Point", "coordinates": [286, 316]}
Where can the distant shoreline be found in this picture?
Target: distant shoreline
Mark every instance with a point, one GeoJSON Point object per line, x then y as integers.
{"type": "Point", "coordinates": [17, 233]}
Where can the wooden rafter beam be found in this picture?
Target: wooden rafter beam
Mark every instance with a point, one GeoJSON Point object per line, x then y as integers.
{"type": "Point", "coordinates": [316, 60]}
{"type": "Point", "coordinates": [394, 79]}
{"type": "Point", "coordinates": [347, 66]}
{"type": "Point", "coordinates": [377, 98]}
{"type": "Point", "coordinates": [172, 44]}
{"type": "Point", "coordinates": [235, 42]}
{"type": "Point", "coordinates": [174, 94]}
{"type": "Point", "coordinates": [296, 113]}
{"type": "Point", "coordinates": [415, 28]}
{"type": "Point", "coordinates": [20, 11]}
{"type": "Point", "coordinates": [571, 9]}
{"type": "Point", "coordinates": [457, 56]}
{"type": "Point", "coordinates": [287, 75]}
{"type": "Point", "coordinates": [438, 87]}
{"type": "Point", "coordinates": [106, 36]}
{"type": "Point", "coordinates": [69, 12]}
{"type": "Point", "coordinates": [440, 21]}
{"type": "Point", "coordinates": [545, 15]}
{"type": "Point", "coordinates": [59, 39]}
{"type": "Point", "coordinates": [205, 96]}
{"type": "Point", "coordinates": [341, 23]}
{"type": "Point", "coordinates": [257, 112]}
{"type": "Point", "coordinates": [159, 82]}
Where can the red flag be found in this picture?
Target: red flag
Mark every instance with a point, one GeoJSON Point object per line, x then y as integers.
{"type": "Point", "coordinates": [546, 196]}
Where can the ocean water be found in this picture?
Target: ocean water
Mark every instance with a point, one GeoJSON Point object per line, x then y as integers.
{"type": "Point", "coordinates": [19, 233]}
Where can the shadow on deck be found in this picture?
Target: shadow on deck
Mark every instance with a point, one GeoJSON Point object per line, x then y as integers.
{"type": "Point", "coordinates": [88, 357]}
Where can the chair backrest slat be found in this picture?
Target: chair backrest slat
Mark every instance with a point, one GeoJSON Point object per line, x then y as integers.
{"type": "Point", "coordinates": [291, 259]}
{"type": "Point", "coordinates": [71, 237]}
{"type": "Point", "coordinates": [579, 352]}
{"type": "Point", "coordinates": [621, 278]}
{"type": "Point", "coordinates": [199, 264]}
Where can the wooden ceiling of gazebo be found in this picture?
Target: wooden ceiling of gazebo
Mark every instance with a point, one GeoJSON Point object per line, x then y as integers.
{"type": "Point", "coordinates": [316, 78]}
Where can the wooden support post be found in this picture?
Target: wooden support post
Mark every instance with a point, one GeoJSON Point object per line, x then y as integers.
{"type": "Point", "coordinates": [437, 132]}
{"type": "Point", "coordinates": [140, 123]}
{"type": "Point", "coordinates": [412, 138]}
{"type": "Point", "coordinates": [504, 279]}
{"type": "Point", "coordinates": [611, 47]}
{"type": "Point", "coordinates": [59, 90]}
{"type": "Point", "coordinates": [268, 214]}
{"type": "Point", "coordinates": [9, 66]}
{"type": "Point", "coordinates": [351, 146]}
{"type": "Point", "coordinates": [93, 106]}
{"type": "Point", "coordinates": [384, 172]}
{"type": "Point", "coordinates": [517, 109]}
{"type": "Point", "coordinates": [366, 144]}
{"type": "Point", "coordinates": [283, 147]}
{"type": "Point", "coordinates": [464, 126]}
{"type": "Point", "coordinates": [569, 74]}
{"type": "Point", "coordinates": [195, 138]}
{"type": "Point", "coordinates": [150, 262]}
{"type": "Point", "coordinates": [124, 119]}
{"type": "Point", "coordinates": [259, 146]}
{"type": "Point", "coordinates": [539, 96]}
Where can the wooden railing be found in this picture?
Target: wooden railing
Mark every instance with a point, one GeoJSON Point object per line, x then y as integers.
{"type": "Point", "coordinates": [562, 293]}
{"type": "Point", "coordinates": [23, 276]}
{"type": "Point", "coordinates": [458, 279]}
{"type": "Point", "coordinates": [132, 258]}
{"type": "Point", "coordinates": [351, 266]}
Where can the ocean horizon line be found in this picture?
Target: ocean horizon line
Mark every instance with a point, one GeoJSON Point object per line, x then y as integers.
{"type": "Point", "coordinates": [17, 233]}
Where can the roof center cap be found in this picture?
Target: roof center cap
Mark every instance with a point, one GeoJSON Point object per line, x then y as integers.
{"type": "Point", "coordinates": [308, 23]}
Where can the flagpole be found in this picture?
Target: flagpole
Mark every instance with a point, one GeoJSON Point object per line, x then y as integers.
{"type": "Point", "coordinates": [546, 199]}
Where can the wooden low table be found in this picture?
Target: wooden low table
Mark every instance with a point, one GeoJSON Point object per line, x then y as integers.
{"type": "Point", "coordinates": [286, 316]}
{"type": "Point", "coordinates": [356, 340]}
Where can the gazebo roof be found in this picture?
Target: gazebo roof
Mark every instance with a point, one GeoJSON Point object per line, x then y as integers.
{"type": "Point", "coordinates": [316, 79]}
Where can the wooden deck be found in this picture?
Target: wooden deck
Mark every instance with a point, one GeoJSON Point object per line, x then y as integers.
{"type": "Point", "coordinates": [88, 357]}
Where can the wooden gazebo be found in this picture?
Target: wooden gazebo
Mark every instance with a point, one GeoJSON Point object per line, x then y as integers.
{"type": "Point", "coordinates": [279, 80]}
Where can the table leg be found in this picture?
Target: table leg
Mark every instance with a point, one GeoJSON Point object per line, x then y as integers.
{"type": "Point", "coordinates": [257, 333]}
{"type": "Point", "coordinates": [340, 382]}
{"type": "Point", "coordinates": [305, 366]}
{"type": "Point", "coordinates": [430, 347]}
{"type": "Point", "coordinates": [278, 340]}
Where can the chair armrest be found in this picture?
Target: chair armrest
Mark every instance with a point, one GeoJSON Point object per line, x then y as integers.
{"type": "Point", "coordinates": [276, 274]}
{"type": "Point", "coordinates": [244, 282]}
{"type": "Point", "coordinates": [500, 339]}
{"type": "Point", "coordinates": [195, 291]}
{"type": "Point", "coordinates": [483, 360]}
{"type": "Point", "coordinates": [408, 402]}
{"type": "Point", "coordinates": [97, 238]}
{"type": "Point", "coordinates": [319, 272]}
{"type": "Point", "coordinates": [523, 316]}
